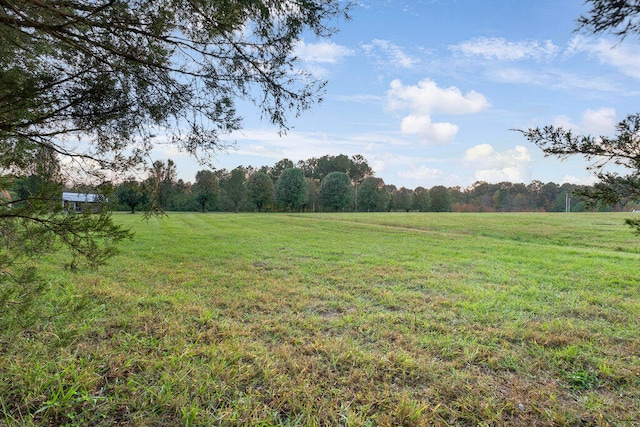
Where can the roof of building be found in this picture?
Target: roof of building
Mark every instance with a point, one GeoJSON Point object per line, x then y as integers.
{"type": "Point", "coordinates": [79, 197]}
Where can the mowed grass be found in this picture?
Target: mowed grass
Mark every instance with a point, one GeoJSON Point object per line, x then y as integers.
{"type": "Point", "coordinates": [340, 319]}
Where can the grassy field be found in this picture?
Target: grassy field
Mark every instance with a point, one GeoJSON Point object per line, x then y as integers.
{"type": "Point", "coordinates": [345, 319]}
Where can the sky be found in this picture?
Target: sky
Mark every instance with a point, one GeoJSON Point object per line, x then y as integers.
{"type": "Point", "coordinates": [429, 92]}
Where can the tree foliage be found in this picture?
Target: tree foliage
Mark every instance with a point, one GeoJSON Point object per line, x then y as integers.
{"type": "Point", "coordinates": [335, 191]}
{"type": "Point", "coordinates": [260, 190]}
{"type": "Point", "coordinates": [33, 224]}
{"type": "Point", "coordinates": [421, 199]}
{"type": "Point", "coordinates": [205, 189]}
{"type": "Point", "coordinates": [131, 194]}
{"type": "Point", "coordinates": [372, 195]}
{"type": "Point", "coordinates": [291, 191]}
{"type": "Point", "coordinates": [96, 84]}
{"type": "Point", "coordinates": [621, 18]}
{"type": "Point", "coordinates": [440, 199]}
{"type": "Point", "coordinates": [403, 199]}
{"type": "Point", "coordinates": [111, 71]}
{"type": "Point", "coordinates": [234, 187]}
{"type": "Point", "coordinates": [618, 17]}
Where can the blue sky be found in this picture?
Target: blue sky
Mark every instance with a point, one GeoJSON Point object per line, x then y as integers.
{"type": "Point", "coordinates": [427, 92]}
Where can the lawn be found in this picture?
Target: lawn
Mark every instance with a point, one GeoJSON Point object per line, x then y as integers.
{"type": "Point", "coordinates": [339, 319]}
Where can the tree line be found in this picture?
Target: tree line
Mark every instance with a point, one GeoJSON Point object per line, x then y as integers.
{"type": "Point", "coordinates": [335, 183]}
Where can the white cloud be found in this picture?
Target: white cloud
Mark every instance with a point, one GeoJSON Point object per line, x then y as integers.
{"type": "Point", "coordinates": [427, 98]}
{"type": "Point", "coordinates": [624, 57]}
{"type": "Point", "coordinates": [389, 53]}
{"type": "Point", "coordinates": [584, 180]}
{"type": "Point", "coordinates": [500, 49]}
{"type": "Point", "coordinates": [553, 79]}
{"type": "Point", "coordinates": [438, 133]}
{"type": "Point", "coordinates": [493, 166]}
{"type": "Point", "coordinates": [602, 121]}
{"type": "Point", "coordinates": [598, 122]}
{"type": "Point", "coordinates": [564, 122]}
{"type": "Point", "coordinates": [266, 143]}
{"type": "Point", "coordinates": [321, 52]}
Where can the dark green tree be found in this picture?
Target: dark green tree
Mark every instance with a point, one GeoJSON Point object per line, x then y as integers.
{"type": "Point", "coordinates": [327, 164]}
{"type": "Point", "coordinates": [547, 196]}
{"type": "Point", "coordinates": [205, 189]}
{"type": "Point", "coordinates": [391, 190]}
{"type": "Point", "coordinates": [234, 187]}
{"type": "Point", "coordinates": [403, 199]}
{"type": "Point", "coordinates": [278, 168]}
{"type": "Point", "coordinates": [620, 18]}
{"type": "Point", "coordinates": [291, 189]}
{"type": "Point", "coordinates": [260, 190]}
{"type": "Point", "coordinates": [130, 193]}
{"type": "Point", "coordinates": [335, 191]}
{"type": "Point", "coordinates": [440, 199]}
{"type": "Point", "coordinates": [372, 196]}
{"type": "Point", "coordinates": [421, 199]}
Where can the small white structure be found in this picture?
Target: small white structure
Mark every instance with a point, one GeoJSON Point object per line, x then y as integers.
{"type": "Point", "coordinates": [80, 202]}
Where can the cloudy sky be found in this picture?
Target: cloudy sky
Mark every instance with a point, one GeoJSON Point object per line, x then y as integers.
{"type": "Point", "coordinates": [427, 91]}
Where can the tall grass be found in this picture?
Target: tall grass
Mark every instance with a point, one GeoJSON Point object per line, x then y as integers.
{"type": "Point", "coordinates": [345, 319]}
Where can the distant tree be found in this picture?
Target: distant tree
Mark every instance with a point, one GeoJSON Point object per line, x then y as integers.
{"type": "Point", "coordinates": [278, 168]}
{"type": "Point", "coordinates": [458, 195]}
{"type": "Point", "coordinates": [205, 189]}
{"type": "Point", "coordinates": [403, 199]}
{"type": "Point", "coordinates": [260, 189]}
{"type": "Point", "coordinates": [130, 193]}
{"type": "Point", "coordinates": [391, 190]}
{"type": "Point", "coordinates": [372, 196]}
{"type": "Point", "coordinates": [440, 199]}
{"type": "Point", "coordinates": [308, 166]}
{"type": "Point", "coordinates": [358, 171]}
{"type": "Point", "coordinates": [327, 164]}
{"type": "Point", "coordinates": [313, 193]}
{"type": "Point", "coordinates": [547, 195]}
{"type": "Point", "coordinates": [335, 191]}
{"type": "Point", "coordinates": [234, 187]}
{"type": "Point", "coordinates": [160, 184]}
{"type": "Point", "coordinates": [291, 191]}
{"type": "Point", "coordinates": [421, 199]}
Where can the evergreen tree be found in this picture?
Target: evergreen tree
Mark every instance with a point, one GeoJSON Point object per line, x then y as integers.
{"type": "Point", "coordinates": [421, 199]}
{"type": "Point", "coordinates": [205, 189]}
{"type": "Point", "coordinates": [291, 189]}
{"type": "Point", "coordinates": [335, 191]}
{"type": "Point", "coordinates": [260, 190]}
{"type": "Point", "coordinates": [372, 196]}
{"type": "Point", "coordinates": [440, 199]}
{"type": "Point", "coordinates": [131, 194]}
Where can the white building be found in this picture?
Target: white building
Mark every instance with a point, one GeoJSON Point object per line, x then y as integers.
{"type": "Point", "coordinates": [79, 202]}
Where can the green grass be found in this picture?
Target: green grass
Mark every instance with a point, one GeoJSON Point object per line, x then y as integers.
{"type": "Point", "coordinates": [345, 319]}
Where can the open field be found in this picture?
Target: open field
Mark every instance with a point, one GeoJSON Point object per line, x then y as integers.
{"type": "Point", "coordinates": [345, 319]}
